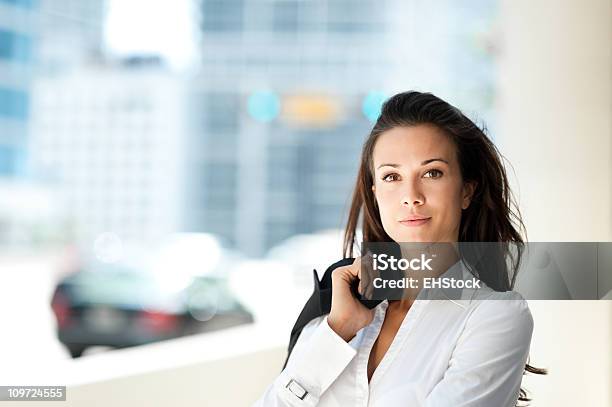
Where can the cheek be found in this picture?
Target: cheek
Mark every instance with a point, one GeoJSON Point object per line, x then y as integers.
{"type": "Point", "coordinates": [445, 198]}
{"type": "Point", "coordinates": [388, 202]}
{"type": "Point", "coordinates": [447, 206]}
{"type": "Point", "coordinates": [385, 197]}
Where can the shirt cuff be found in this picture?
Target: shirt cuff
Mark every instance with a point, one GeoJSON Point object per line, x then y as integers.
{"type": "Point", "coordinates": [322, 360]}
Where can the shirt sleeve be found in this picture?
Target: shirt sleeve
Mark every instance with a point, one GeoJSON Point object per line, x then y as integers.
{"type": "Point", "coordinates": [487, 364]}
{"type": "Point", "coordinates": [318, 358]}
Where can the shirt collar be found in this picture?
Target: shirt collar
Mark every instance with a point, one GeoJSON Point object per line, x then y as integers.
{"type": "Point", "coordinates": [458, 271]}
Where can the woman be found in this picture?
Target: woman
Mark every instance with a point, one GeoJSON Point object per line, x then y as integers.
{"type": "Point", "coordinates": [427, 174]}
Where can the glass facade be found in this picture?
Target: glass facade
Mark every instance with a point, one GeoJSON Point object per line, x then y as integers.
{"type": "Point", "coordinates": [16, 60]}
{"type": "Point", "coordinates": [20, 3]}
{"type": "Point", "coordinates": [14, 46]}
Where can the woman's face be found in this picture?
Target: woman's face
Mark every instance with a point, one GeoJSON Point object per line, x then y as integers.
{"type": "Point", "coordinates": [417, 175]}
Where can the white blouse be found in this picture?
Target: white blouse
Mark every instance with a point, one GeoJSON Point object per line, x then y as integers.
{"type": "Point", "coordinates": [447, 353]}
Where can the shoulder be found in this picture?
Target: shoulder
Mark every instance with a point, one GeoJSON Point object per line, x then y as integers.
{"type": "Point", "coordinates": [503, 308]}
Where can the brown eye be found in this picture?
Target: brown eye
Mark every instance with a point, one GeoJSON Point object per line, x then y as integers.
{"type": "Point", "coordinates": [387, 179]}
{"type": "Point", "coordinates": [437, 172]}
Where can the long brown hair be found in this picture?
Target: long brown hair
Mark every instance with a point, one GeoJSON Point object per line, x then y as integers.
{"type": "Point", "coordinates": [493, 215]}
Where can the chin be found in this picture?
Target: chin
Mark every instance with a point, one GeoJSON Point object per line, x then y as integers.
{"type": "Point", "coordinates": [413, 239]}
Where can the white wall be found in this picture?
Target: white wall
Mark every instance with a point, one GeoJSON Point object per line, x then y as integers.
{"type": "Point", "coordinates": [232, 382]}
{"type": "Point", "coordinates": [231, 367]}
{"type": "Point", "coordinates": [554, 109]}
{"type": "Point", "coordinates": [555, 119]}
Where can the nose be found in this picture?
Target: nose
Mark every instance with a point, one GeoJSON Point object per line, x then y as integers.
{"type": "Point", "coordinates": [412, 197]}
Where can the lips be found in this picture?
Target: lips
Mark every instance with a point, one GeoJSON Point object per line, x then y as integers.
{"type": "Point", "coordinates": [416, 221]}
{"type": "Point", "coordinates": [415, 217]}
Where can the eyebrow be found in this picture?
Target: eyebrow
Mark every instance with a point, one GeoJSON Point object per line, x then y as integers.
{"type": "Point", "coordinates": [422, 163]}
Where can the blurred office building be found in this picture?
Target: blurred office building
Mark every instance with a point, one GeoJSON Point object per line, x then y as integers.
{"type": "Point", "coordinates": [259, 142]}
{"type": "Point", "coordinates": [289, 90]}
{"type": "Point", "coordinates": [18, 33]}
{"type": "Point", "coordinates": [38, 39]}
{"type": "Point", "coordinates": [110, 138]}
{"type": "Point", "coordinates": [16, 66]}
{"type": "Point", "coordinates": [108, 131]}
{"type": "Point", "coordinates": [71, 34]}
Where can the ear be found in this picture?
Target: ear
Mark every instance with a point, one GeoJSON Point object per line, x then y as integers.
{"type": "Point", "coordinates": [469, 188]}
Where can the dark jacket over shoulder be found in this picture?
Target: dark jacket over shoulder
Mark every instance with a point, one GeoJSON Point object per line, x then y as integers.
{"type": "Point", "coordinates": [318, 304]}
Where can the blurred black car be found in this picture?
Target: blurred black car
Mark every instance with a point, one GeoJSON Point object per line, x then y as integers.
{"type": "Point", "coordinates": [118, 306]}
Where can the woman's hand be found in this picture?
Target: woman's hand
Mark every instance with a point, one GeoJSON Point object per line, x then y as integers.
{"type": "Point", "coordinates": [348, 315]}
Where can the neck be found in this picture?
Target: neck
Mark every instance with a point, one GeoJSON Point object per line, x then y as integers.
{"type": "Point", "coordinates": [443, 255]}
